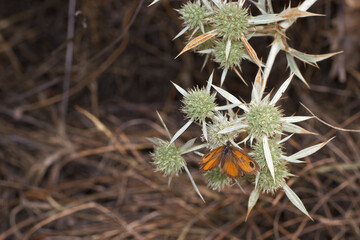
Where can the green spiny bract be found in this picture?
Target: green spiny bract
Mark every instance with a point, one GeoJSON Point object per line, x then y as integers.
{"type": "Point", "coordinates": [199, 104]}
{"type": "Point", "coordinates": [231, 21]}
{"type": "Point", "coordinates": [167, 158]}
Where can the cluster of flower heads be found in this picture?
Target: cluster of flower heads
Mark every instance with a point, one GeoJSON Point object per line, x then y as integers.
{"type": "Point", "coordinates": [261, 120]}
{"type": "Point", "coordinates": [222, 29]}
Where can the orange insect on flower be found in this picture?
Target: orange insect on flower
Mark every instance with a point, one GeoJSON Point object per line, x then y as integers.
{"type": "Point", "coordinates": [233, 161]}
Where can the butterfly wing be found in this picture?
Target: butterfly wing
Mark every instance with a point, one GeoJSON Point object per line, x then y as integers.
{"type": "Point", "coordinates": [229, 168]}
{"type": "Point", "coordinates": [211, 159]}
{"type": "Point", "coordinates": [234, 162]}
{"type": "Point", "coordinates": [245, 162]}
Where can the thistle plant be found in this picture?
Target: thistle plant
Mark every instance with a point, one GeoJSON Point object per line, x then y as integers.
{"type": "Point", "coordinates": [265, 124]}
{"type": "Point", "coordinates": [260, 124]}
{"type": "Point", "coordinates": [233, 59]}
{"type": "Point", "coordinates": [230, 23]}
{"type": "Point", "coordinates": [167, 157]}
{"type": "Point", "coordinates": [193, 16]}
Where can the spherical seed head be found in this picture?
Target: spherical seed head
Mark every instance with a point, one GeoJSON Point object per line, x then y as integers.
{"type": "Point", "coordinates": [231, 21]}
{"type": "Point", "coordinates": [199, 104]}
{"type": "Point", "coordinates": [167, 158]}
{"type": "Point", "coordinates": [193, 14]}
{"type": "Point", "coordinates": [264, 120]}
{"type": "Point", "coordinates": [275, 150]}
{"type": "Point", "coordinates": [266, 182]}
{"type": "Point", "coordinates": [235, 56]}
{"type": "Point", "coordinates": [217, 180]}
{"type": "Point", "coordinates": [216, 139]}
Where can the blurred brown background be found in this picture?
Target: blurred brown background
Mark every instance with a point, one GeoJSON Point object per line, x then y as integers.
{"type": "Point", "coordinates": [75, 111]}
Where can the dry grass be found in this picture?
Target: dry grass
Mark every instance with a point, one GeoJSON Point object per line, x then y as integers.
{"type": "Point", "coordinates": [74, 160]}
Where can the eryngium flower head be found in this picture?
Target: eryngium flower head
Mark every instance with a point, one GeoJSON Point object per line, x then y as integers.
{"type": "Point", "coordinates": [193, 14]}
{"type": "Point", "coordinates": [199, 104]}
{"type": "Point", "coordinates": [217, 180]}
{"type": "Point", "coordinates": [167, 158]}
{"type": "Point", "coordinates": [266, 182]}
{"type": "Point", "coordinates": [231, 21]}
{"type": "Point", "coordinates": [235, 56]}
{"type": "Point", "coordinates": [216, 139]}
{"type": "Point", "coordinates": [264, 120]}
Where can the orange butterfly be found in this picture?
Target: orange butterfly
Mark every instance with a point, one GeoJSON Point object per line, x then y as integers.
{"type": "Point", "coordinates": [234, 162]}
